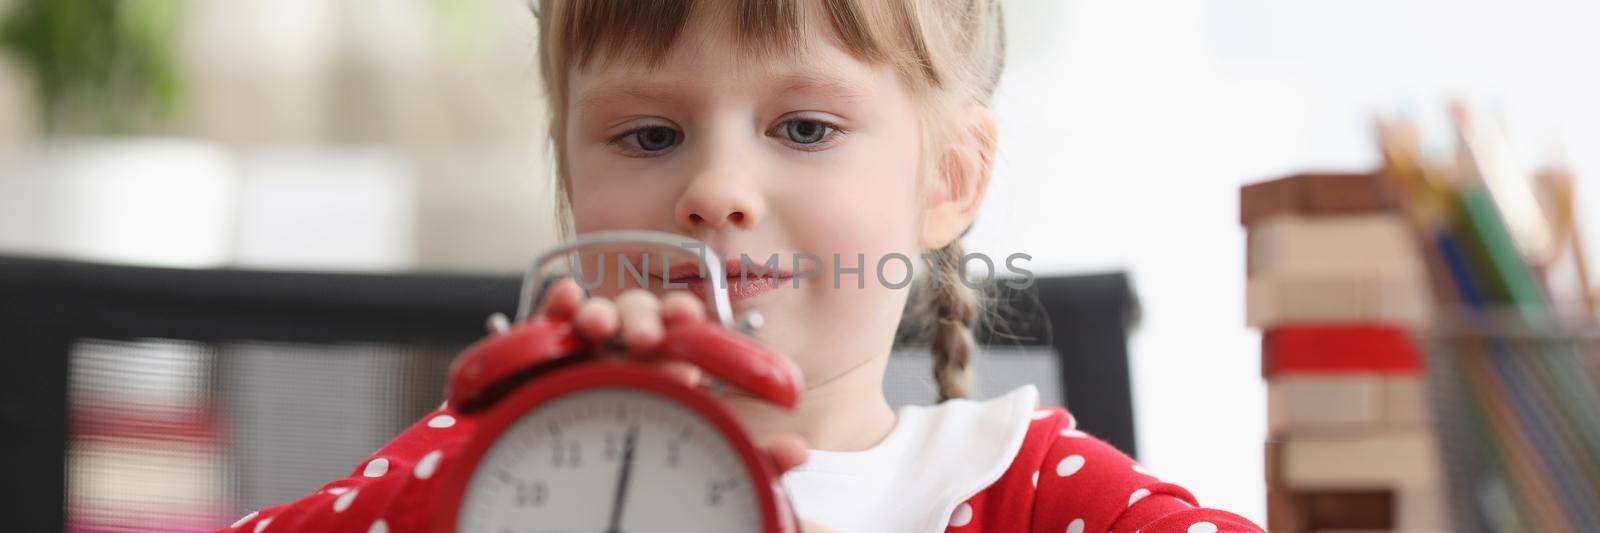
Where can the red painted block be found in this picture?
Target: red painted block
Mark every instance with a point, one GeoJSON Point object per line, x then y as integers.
{"type": "Point", "coordinates": [1339, 349]}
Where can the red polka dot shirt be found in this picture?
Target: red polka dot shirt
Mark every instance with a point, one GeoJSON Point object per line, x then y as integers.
{"type": "Point", "coordinates": [1060, 479]}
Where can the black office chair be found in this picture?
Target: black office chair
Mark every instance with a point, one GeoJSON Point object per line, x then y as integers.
{"type": "Point", "coordinates": [178, 399]}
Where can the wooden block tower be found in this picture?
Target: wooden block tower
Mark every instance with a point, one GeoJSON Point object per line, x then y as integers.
{"type": "Point", "coordinates": [1337, 286]}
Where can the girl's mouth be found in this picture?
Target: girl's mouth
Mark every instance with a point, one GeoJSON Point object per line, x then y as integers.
{"type": "Point", "coordinates": [743, 280]}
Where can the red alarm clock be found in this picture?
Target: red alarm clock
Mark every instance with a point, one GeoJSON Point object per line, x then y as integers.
{"type": "Point", "coordinates": [574, 438]}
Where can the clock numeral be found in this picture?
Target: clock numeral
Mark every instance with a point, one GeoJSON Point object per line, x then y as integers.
{"type": "Point", "coordinates": [716, 488]}
{"type": "Point", "coordinates": [565, 456]}
{"type": "Point", "coordinates": [613, 446]}
{"type": "Point", "coordinates": [534, 494]}
{"type": "Point", "coordinates": [675, 447]}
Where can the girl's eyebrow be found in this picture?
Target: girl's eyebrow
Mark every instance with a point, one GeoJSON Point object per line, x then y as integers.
{"type": "Point", "coordinates": [814, 82]}
{"type": "Point", "coordinates": [821, 83]}
{"type": "Point", "coordinates": [622, 91]}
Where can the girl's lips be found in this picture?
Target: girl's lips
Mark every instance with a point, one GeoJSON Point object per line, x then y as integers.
{"type": "Point", "coordinates": [732, 268]}
{"type": "Point", "coordinates": [751, 287]}
{"type": "Point", "coordinates": [742, 283]}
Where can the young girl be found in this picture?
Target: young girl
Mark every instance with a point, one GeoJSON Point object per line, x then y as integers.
{"type": "Point", "coordinates": [855, 129]}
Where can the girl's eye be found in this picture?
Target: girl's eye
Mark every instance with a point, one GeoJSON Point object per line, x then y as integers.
{"type": "Point", "coordinates": [655, 138]}
{"type": "Point", "coordinates": [807, 133]}
{"type": "Point", "coordinates": [648, 141]}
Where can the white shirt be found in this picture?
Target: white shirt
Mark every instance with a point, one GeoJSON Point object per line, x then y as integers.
{"type": "Point", "coordinates": [935, 458]}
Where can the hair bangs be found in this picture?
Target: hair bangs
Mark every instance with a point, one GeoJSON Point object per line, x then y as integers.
{"type": "Point", "coordinates": [584, 32]}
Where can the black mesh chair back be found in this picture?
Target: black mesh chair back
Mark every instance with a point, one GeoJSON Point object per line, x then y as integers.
{"type": "Point", "coordinates": [150, 399]}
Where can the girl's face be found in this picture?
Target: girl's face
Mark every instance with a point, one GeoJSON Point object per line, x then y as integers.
{"type": "Point", "coordinates": [813, 152]}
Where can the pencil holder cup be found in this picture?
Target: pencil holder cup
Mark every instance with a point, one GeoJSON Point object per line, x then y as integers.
{"type": "Point", "coordinates": [1516, 412]}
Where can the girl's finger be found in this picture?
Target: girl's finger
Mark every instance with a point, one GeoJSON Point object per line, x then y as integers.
{"type": "Point", "coordinates": [597, 320]}
{"type": "Point", "coordinates": [679, 307]}
{"type": "Point", "coordinates": [807, 526]}
{"type": "Point", "coordinates": [640, 314]}
{"type": "Point", "coordinates": [683, 372]}
{"type": "Point", "coordinates": [562, 300]}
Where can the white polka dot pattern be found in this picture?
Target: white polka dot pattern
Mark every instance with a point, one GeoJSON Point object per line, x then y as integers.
{"type": "Point", "coordinates": [1137, 495]}
{"type": "Point", "coordinates": [962, 515]}
{"type": "Point", "coordinates": [244, 519]}
{"type": "Point", "coordinates": [376, 468]}
{"type": "Point", "coordinates": [344, 501]}
{"type": "Point", "coordinates": [1070, 465]}
{"type": "Point", "coordinates": [428, 464]}
{"type": "Point", "coordinates": [1080, 498]}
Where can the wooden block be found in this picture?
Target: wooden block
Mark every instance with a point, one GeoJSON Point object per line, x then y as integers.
{"type": "Point", "coordinates": [1321, 511]}
{"type": "Point", "coordinates": [1421, 510]}
{"type": "Point", "coordinates": [1305, 402]}
{"type": "Point", "coordinates": [1405, 401]}
{"type": "Point", "coordinates": [1365, 510]}
{"type": "Point", "coordinates": [1286, 512]}
{"type": "Point", "coordinates": [1309, 194]}
{"type": "Point", "coordinates": [1273, 453]}
{"type": "Point", "coordinates": [1339, 349]}
{"type": "Point", "coordinates": [1372, 460]}
{"type": "Point", "coordinates": [1272, 301]}
{"type": "Point", "coordinates": [1368, 245]}
{"type": "Point", "coordinates": [1310, 402]}
{"type": "Point", "coordinates": [1347, 268]}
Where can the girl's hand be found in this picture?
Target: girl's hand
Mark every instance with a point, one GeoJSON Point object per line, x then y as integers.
{"type": "Point", "coordinates": [636, 318]}
{"type": "Point", "coordinates": [639, 320]}
{"type": "Point", "coordinates": [807, 526]}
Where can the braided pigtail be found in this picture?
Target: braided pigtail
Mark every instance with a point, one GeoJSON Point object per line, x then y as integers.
{"type": "Point", "coordinates": [954, 309]}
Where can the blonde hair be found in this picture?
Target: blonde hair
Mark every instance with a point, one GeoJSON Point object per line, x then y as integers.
{"type": "Point", "coordinates": [949, 52]}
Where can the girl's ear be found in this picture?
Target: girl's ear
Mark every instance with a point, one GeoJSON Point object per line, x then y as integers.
{"type": "Point", "coordinates": [961, 180]}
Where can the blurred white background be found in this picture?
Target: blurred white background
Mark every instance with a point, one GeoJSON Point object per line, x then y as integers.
{"type": "Point", "coordinates": [349, 135]}
{"type": "Point", "coordinates": [406, 134]}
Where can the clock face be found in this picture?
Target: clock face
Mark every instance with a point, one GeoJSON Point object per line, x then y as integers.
{"type": "Point", "coordinates": [610, 460]}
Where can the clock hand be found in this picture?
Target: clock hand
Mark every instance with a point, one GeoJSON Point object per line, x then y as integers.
{"type": "Point", "coordinates": [621, 494]}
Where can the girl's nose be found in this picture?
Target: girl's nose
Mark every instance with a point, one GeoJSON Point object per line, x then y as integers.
{"type": "Point", "coordinates": [713, 203]}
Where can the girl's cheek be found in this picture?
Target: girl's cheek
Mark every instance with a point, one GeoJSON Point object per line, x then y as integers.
{"type": "Point", "coordinates": [605, 197]}
{"type": "Point", "coordinates": [869, 199]}
{"type": "Point", "coordinates": [860, 223]}
{"type": "Point", "coordinates": [604, 206]}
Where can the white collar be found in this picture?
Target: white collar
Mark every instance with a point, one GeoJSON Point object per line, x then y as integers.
{"type": "Point", "coordinates": [935, 458]}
